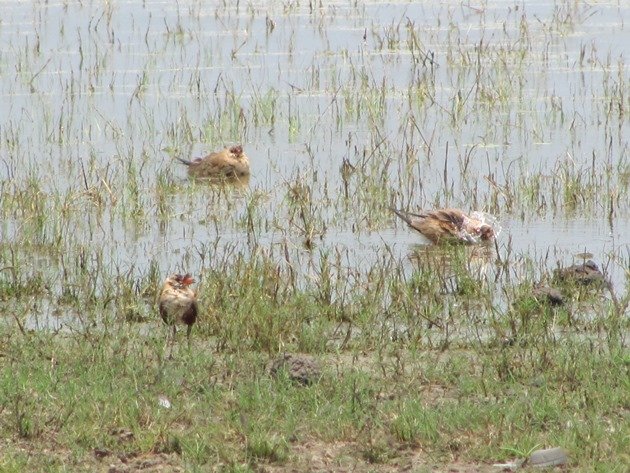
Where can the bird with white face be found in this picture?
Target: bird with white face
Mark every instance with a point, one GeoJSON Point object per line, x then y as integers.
{"type": "Point", "coordinates": [449, 226]}
{"type": "Point", "coordinates": [229, 163]}
{"type": "Point", "coordinates": [178, 305]}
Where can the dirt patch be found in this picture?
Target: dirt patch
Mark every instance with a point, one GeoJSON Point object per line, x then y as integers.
{"type": "Point", "coordinates": [317, 456]}
{"type": "Point", "coordinates": [45, 451]}
{"type": "Point", "coordinates": [146, 463]}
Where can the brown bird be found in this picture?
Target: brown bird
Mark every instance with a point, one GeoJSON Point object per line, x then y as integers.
{"type": "Point", "coordinates": [448, 225]}
{"type": "Point", "coordinates": [586, 273]}
{"type": "Point", "coordinates": [230, 163]}
{"type": "Point", "coordinates": [548, 295]}
{"type": "Point", "coordinates": [178, 304]}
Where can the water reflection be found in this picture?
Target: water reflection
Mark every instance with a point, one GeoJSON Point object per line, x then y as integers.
{"type": "Point", "coordinates": [221, 182]}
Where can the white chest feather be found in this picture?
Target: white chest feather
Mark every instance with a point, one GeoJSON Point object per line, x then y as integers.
{"type": "Point", "coordinates": [176, 302]}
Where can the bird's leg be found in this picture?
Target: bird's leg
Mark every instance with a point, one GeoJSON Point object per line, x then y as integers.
{"type": "Point", "coordinates": [166, 340]}
{"type": "Point", "coordinates": [188, 332]}
{"type": "Point", "coordinates": [170, 356]}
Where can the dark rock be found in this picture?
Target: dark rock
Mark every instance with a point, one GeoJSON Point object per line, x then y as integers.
{"type": "Point", "coordinates": [122, 434]}
{"type": "Point", "coordinates": [101, 452]}
{"type": "Point", "coordinates": [303, 369]}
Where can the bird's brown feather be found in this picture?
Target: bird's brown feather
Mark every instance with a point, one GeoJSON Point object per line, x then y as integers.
{"type": "Point", "coordinates": [229, 162]}
{"type": "Point", "coordinates": [448, 224]}
{"type": "Point", "coordinates": [178, 302]}
{"type": "Point", "coordinates": [190, 316]}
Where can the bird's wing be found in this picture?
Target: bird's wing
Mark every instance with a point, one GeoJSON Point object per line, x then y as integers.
{"type": "Point", "coordinates": [454, 223]}
{"type": "Point", "coordinates": [163, 311]}
{"type": "Point", "coordinates": [446, 224]}
{"type": "Point", "coordinates": [190, 315]}
{"type": "Point", "coordinates": [453, 217]}
{"type": "Point", "coordinates": [221, 162]}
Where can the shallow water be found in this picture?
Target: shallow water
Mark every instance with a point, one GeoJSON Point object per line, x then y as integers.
{"type": "Point", "coordinates": [518, 110]}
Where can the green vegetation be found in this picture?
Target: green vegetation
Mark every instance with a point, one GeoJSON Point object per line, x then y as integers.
{"type": "Point", "coordinates": [438, 376]}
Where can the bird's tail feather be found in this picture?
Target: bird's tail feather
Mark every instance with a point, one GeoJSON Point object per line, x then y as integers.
{"type": "Point", "coordinates": [184, 161]}
{"type": "Point", "coordinates": [403, 215]}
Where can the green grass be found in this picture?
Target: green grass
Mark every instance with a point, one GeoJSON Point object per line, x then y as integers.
{"type": "Point", "coordinates": [99, 391]}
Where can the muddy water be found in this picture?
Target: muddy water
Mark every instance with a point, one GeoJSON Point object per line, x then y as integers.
{"type": "Point", "coordinates": [432, 103]}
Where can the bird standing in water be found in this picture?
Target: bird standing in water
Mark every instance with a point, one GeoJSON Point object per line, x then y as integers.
{"type": "Point", "coordinates": [229, 163]}
{"type": "Point", "coordinates": [448, 226]}
{"type": "Point", "coordinates": [178, 304]}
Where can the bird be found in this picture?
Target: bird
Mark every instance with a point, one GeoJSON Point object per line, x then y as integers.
{"type": "Point", "coordinates": [585, 274]}
{"type": "Point", "coordinates": [178, 304]}
{"type": "Point", "coordinates": [228, 163]}
{"type": "Point", "coordinates": [548, 295]}
{"type": "Point", "coordinates": [448, 226]}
